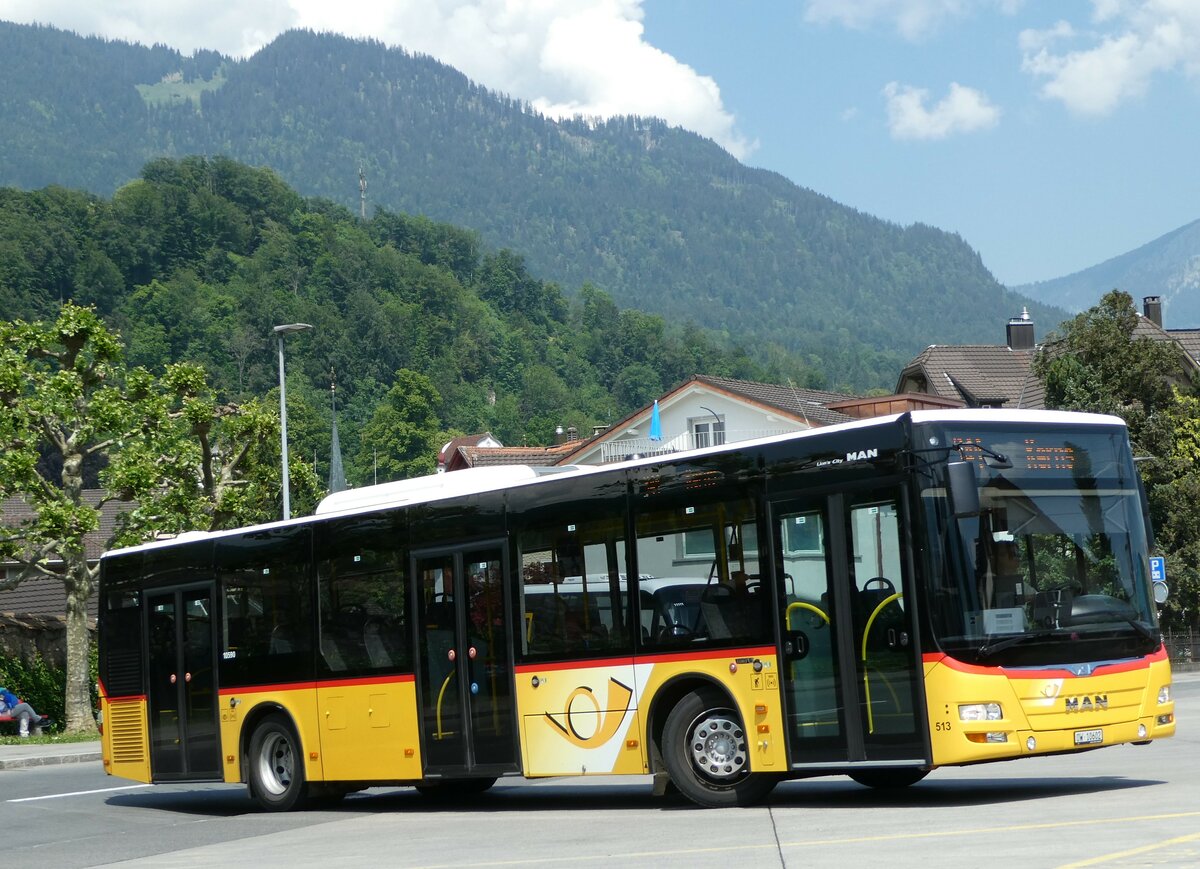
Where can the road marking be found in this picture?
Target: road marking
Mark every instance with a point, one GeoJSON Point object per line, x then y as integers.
{"type": "Point", "coordinates": [76, 794]}
{"type": "Point", "coordinates": [1106, 858]}
{"type": "Point", "coordinates": [976, 831]}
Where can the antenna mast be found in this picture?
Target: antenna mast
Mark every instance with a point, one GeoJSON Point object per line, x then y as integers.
{"type": "Point", "coordinates": [362, 192]}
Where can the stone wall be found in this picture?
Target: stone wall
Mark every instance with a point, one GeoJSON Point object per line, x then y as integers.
{"type": "Point", "coordinates": [27, 636]}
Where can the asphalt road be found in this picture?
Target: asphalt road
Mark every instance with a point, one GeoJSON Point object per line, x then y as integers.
{"type": "Point", "coordinates": [1123, 806]}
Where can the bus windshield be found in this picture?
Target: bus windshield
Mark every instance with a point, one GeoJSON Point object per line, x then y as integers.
{"type": "Point", "coordinates": [1053, 570]}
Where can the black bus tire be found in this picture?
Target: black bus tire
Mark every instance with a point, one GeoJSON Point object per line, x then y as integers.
{"type": "Point", "coordinates": [276, 774]}
{"type": "Point", "coordinates": [707, 753]}
{"type": "Point", "coordinates": [888, 779]}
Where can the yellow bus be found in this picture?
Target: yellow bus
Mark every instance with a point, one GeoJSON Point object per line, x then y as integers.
{"type": "Point", "coordinates": [874, 599]}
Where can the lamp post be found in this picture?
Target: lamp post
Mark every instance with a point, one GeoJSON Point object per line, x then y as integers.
{"type": "Point", "coordinates": [280, 332]}
{"type": "Point", "coordinates": [715, 424]}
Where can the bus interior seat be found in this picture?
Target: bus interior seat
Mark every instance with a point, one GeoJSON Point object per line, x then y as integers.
{"type": "Point", "coordinates": [377, 651]}
{"type": "Point", "coordinates": [332, 654]}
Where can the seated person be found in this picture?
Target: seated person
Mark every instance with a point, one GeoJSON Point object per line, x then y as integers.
{"type": "Point", "coordinates": [28, 721]}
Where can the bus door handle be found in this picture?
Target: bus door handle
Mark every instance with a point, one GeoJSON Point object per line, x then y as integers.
{"type": "Point", "coordinates": [897, 639]}
{"type": "Point", "coordinates": [795, 645]}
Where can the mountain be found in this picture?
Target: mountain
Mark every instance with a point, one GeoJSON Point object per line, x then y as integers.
{"type": "Point", "coordinates": [661, 219]}
{"type": "Point", "coordinates": [1168, 267]}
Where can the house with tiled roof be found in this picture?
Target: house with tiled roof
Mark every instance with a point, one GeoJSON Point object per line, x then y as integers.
{"type": "Point", "coordinates": [45, 596]}
{"type": "Point", "coordinates": [1001, 375]}
{"type": "Point", "coordinates": [449, 454]}
{"type": "Point", "coordinates": [702, 411]}
{"type": "Point", "coordinates": [979, 375]}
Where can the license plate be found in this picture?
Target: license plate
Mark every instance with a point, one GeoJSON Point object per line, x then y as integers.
{"type": "Point", "coordinates": [1089, 737]}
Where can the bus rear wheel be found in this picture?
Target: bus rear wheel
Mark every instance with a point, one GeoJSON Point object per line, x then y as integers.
{"type": "Point", "coordinates": [888, 779]}
{"type": "Point", "coordinates": [276, 766]}
{"type": "Point", "coordinates": [707, 753]}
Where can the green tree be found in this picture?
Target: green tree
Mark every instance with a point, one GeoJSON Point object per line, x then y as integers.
{"type": "Point", "coordinates": [69, 406]}
{"type": "Point", "coordinates": [404, 435]}
{"type": "Point", "coordinates": [1100, 364]}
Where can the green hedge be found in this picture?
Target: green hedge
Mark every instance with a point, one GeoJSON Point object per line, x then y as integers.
{"type": "Point", "coordinates": [43, 686]}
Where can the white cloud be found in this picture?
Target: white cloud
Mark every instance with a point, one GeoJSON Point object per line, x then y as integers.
{"type": "Point", "coordinates": [566, 57]}
{"type": "Point", "coordinates": [1035, 40]}
{"type": "Point", "coordinates": [962, 110]}
{"type": "Point", "coordinates": [1142, 40]}
{"type": "Point", "coordinates": [914, 19]}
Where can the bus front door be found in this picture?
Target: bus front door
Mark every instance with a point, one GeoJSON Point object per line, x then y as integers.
{"type": "Point", "coordinates": [851, 663]}
{"type": "Point", "coordinates": [465, 668]}
{"type": "Point", "coordinates": [184, 744]}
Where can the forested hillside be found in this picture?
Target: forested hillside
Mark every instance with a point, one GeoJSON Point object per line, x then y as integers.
{"type": "Point", "coordinates": [661, 219]}
{"type": "Point", "coordinates": [199, 258]}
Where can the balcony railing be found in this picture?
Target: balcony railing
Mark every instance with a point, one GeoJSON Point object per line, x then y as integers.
{"type": "Point", "coordinates": [628, 448]}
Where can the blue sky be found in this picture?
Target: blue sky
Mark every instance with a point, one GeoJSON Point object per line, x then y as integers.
{"type": "Point", "coordinates": [1049, 135]}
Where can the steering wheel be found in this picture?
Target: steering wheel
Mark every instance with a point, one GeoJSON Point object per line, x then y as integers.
{"type": "Point", "coordinates": [883, 582]}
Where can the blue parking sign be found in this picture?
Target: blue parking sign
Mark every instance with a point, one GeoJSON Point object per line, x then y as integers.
{"type": "Point", "coordinates": [1158, 569]}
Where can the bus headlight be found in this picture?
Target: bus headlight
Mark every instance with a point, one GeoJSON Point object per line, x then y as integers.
{"type": "Point", "coordinates": [1164, 694]}
{"type": "Point", "coordinates": [980, 712]}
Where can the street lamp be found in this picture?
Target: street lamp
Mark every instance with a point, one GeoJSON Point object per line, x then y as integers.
{"type": "Point", "coordinates": [717, 423]}
{"type": "Point", "coordinates": [280, 332]}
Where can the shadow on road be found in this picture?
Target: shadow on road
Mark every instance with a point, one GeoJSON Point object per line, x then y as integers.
{"type": "Point", "coordinates": [570, 795]}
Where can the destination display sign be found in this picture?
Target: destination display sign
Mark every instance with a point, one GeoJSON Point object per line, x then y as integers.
{"type": "Point", "coordinates": [1027, 453]}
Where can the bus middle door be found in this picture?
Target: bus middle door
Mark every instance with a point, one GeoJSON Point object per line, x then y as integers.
{"type": "Point", "coordinates": [465, 666]}
{"type": "Point", "coordinates": [851, 665]}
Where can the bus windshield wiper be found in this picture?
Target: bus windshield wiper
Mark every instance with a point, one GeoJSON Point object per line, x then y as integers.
{"type": "Point", "coordinates": [988, 649]}
{"type": "Point", "coordinates": [1146, 632]}
{"type": "Point", "coordinates": [991, 458]}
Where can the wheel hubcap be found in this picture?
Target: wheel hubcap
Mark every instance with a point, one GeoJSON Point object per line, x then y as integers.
{"type": "Point", "coordinates": [276, 764]}
{"type": "Point", "coordinates": [718, 745]}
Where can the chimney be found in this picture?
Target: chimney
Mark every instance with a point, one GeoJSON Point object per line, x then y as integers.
{"type": "Point", "coordinates": [572, 433]}
{"type": "Point", "coordinates": [559, 437]}
{"type": "Point", "coordinates": [1152, 308]}
{"type": "Point", "coordinates": [1020, 332]}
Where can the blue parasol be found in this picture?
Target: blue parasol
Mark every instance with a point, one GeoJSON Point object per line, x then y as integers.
{"type": "Point", "coordinates": [655, 423]}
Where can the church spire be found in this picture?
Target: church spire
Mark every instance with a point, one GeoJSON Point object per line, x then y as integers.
{"type": "Point", "coordinates": [337, 477]}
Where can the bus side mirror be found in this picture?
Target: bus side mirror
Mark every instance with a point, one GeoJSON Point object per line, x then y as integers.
{"type": "Point", "coordinates": [964, 489]}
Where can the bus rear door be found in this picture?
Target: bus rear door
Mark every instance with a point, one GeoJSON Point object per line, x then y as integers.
{"type": "Point", "coordinates": [184, 743]}
{"type": "Point", "coordinates": [851, 663]}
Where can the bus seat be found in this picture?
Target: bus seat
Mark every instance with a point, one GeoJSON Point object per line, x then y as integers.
{"type": "Point", "coordinates": [373, 642]}
{"type": "Point", "coordinates": [332, 654]}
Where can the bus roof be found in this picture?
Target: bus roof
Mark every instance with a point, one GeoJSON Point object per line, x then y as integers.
{"type": "Point", "coordinates": [471, 481]}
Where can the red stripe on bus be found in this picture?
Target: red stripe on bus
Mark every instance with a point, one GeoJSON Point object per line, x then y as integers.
{"type": "Point", "coordinates": [367, 680]}
{"type": "Point", "coordinates": [124, 697]}
{"type": "Point", "coordinates": [661, 658]}
{"type": "Point", "coordinates": [266, 689]}
{"type": "Point", "coordinates": [708, 655]}
{"type": "Point", "coordinates": [1047, 673]}
{"type": "Point", "coordinates": [590, 664]}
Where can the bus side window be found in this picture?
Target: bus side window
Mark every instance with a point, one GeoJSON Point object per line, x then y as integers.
{"type": "Point", "coordinates": [700, 577]}
{"type": "Point", "coordinates": [573, 588]}
{"type": "Point", "coordinates": [362, 597]}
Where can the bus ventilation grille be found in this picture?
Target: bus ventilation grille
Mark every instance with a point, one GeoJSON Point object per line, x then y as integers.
{"type": "Point", "coordinates": [127, 733]}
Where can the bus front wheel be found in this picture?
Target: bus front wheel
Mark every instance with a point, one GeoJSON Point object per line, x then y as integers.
{"type": "Point", "coordinates": [707, 753]}
{"type": "Point", "coordinates": [276, 766]}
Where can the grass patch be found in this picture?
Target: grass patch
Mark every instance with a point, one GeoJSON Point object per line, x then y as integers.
{"type": "Point", "coordinates": [173, 90]}
{"type": "Point", "coordinates": [49, 738]}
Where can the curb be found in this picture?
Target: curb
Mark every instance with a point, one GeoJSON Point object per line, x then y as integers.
{"type": "Point", "coordinates": [48, 759]}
